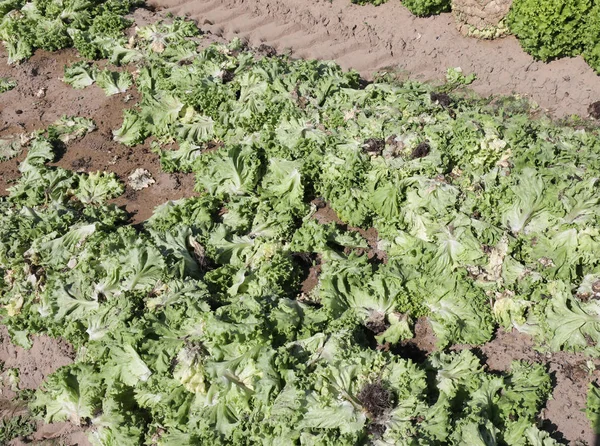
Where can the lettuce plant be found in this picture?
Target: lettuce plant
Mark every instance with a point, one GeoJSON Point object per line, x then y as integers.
{"type": "Point", "coordinates": [424, 8]}
{"type": "Point", "coordinates": [551, 28]}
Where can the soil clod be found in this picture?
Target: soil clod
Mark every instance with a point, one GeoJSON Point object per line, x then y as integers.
{"type": "Point", "coordinates": [443, 99]}
{"type": "Point", "coordinates": [374, 146]}
{"type": "Point", "coordinates": [266, 50]}
{"type": "Point", "coordinates": [421, 151]}
{"type": "Point", "coordinates": [594, 110]}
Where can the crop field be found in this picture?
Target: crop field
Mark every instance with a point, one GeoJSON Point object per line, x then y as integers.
{"type": "Point", "coordinates": [211, 234]}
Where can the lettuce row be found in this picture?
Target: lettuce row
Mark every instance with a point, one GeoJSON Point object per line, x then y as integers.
{"type": "Point", "coordinates": [56, 24]}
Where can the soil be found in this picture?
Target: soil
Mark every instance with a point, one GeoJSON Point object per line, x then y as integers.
{"type": "Point", "coordinates": [364, 38]}
{"type": "Point", "coordinates": [311, 280]}
{"type": "Point", "coordinates": [45, 356]}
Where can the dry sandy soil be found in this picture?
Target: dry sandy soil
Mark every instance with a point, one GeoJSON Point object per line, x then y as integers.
{"type": "Point", "coordinates": [364, 38]}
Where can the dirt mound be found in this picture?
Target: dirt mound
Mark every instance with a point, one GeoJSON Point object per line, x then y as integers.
{"type": "Point", "coordinates": [368, 38]}
{"type": "Point", "coordinates": [481, 18]}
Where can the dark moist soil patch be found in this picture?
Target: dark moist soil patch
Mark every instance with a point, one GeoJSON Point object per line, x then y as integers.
{"type": "Point", "coordinates": [594, 110]}
{"type": "Point", "coordinates": [376, 322]}
{"type": "Point", "coordinates": [443, 99]}
{"type": "Point", "coordinates": [421, 151]}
